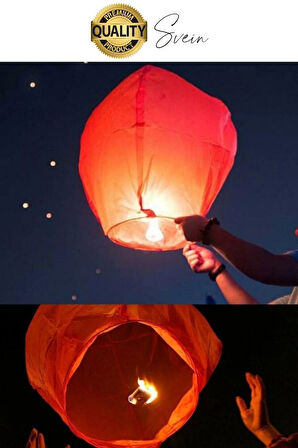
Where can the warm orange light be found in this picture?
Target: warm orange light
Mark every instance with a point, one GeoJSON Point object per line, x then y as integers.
{"type": "Point", "coordinates": [156, 148]}
{"type": "Point", "coordinates": [25, 205]}
{"type": "Point", "coordinates": [52, 163]}
{"type": "Point", "coordinates": [32, 84]}
{"type": "Point", "coordinates": [85, 360]}
{"type": "Point", "coordinates": [154, 234]}
{"type": "Point", "coordinates": [149, 388]}
{"type": "Point", "coordinates": [144, 394]}
{"type": "Point", "coordinates": [49, 215]}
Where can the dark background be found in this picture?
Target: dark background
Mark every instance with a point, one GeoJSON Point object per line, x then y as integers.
{"type": "Point", "coordinates": [52, 260]}
{"type": "Point", "coordinates": [262, 340]}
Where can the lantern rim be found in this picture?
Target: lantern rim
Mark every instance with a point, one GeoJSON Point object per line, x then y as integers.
{"type": "Point", "coordinates": [178, 243]}
{"type": "Point", "coordinates": [154, 442]}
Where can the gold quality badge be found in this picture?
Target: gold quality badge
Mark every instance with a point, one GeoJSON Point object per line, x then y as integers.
{"type": "Point", "coordinates": [118, 31]}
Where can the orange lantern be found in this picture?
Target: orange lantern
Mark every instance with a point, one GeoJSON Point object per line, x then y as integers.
{"type": "Point", "coordinates": [121, 375]}
{"type": "Point", "coordinates": [156, 148]}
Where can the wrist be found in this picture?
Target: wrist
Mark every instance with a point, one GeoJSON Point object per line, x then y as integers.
{"type": "Point", "coordinates": [266, 434]}
{"type": "Point", "coordinates": [213, 274]}
{"type": "Point", "coordinates": [217, 264]}
{"type": "Point", "coordinates": [212, 222]}
{"type": "Point", "coordinates": [216, 235]}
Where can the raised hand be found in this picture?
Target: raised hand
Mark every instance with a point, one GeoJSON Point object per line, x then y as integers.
{"type": "Point", "coordinates": [36, 440]}
{"type": "Point", "coordinates": [256, 417]}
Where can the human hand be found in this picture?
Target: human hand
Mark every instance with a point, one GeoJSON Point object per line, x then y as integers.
{"type": "Point", "coordinates": [256, 417]}
{"type": "Point", "coordinates": [36, 440]}
{"type": "Point", "coordinates": [200, 259]}
{"type": "Point", "coordinates": [193, 226]}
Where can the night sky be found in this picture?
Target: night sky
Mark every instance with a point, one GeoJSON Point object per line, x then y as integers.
{"type": "Point", "coordinates": [262, 340]}
{"type": "Point", "coordinates": [67, 258]}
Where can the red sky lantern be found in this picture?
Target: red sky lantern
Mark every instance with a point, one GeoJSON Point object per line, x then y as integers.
{"type": "Point", "coordinates": [121, 375]}
{"type": "Point", "coordinates": [156, 148]}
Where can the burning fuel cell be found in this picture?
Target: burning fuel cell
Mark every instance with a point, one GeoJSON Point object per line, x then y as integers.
{"type": "Point", "coordinates": [144, 394]}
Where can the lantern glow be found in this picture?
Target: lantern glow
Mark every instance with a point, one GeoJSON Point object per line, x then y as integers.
{"type": "Point", "coordinates": [144, 394]}
{"type": "Point", "coordinates": [149, 388]}
{"type": "Point", "coordinates": [154, 233]}
{"type": "Point", "coordinates": [156, 148]}
{"type": "Point", "coordinates": [84, 360]}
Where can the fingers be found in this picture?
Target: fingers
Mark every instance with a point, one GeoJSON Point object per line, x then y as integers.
{"type": "Point", "coordinates": [186, 248]}
{"type": "Point", "coordinates": [195, 265]}
{"type": "Point", "coordinates": [241, 405]}
{"type": "Point", "coordinates": [68, 446]}
{"type": "Point", "coordinates": [261, 386]}
{"type": "Point", "coordinates": [180, 219]}
{"type": "Point", "coordinates": [190, 248]}
{"type": "Point", "coordinates": [252, 383]}
{"type": "Point", "coordinates": [256, 385]}
{"type": "Point", "coordinates": [41, 441]}
{"type": "Point", "coordinates": [32, 441]}
{"type": "Point", "coordinates": [192, 254]}
{"type": "Point", "coordinates": [193, 259]}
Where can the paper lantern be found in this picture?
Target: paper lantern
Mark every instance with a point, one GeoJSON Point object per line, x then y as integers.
{"type": "Point", "coordinates": [156, 148]}
{"type": "Point", "coordinates": [90, 363]}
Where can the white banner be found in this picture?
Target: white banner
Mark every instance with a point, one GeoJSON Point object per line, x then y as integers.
{"type": "Point", "coordinates": [204, 30]}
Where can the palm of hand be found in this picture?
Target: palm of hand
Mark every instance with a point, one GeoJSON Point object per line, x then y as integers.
{"type": "Point", "coordinates": [254, 417]}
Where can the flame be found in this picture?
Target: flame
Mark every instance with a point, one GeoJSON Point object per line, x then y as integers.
{"type": "Point", "coordinates": [145, 391]}
{"type": "Point", "coordinates": [149, 389]}
{"type": "Point", "coordinates": [154, 234]}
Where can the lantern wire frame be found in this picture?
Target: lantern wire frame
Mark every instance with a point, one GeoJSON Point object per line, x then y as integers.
{"type": "Point", "coordinates": [172, 234]}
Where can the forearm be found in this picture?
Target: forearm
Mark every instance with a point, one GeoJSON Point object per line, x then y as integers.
{"type": "Point", "coordinates": [254, 261]}
{"type": "Point", "coordinates": [267, 434]}
{"type": "Point", "coordinates": [232, 291]}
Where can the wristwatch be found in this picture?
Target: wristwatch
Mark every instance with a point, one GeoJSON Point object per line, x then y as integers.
{"type": "Point", "coordinates": [219, 270]}
{"type": "Point", "coordinates": [210, 223]}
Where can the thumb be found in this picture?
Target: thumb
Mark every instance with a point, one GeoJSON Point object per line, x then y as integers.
{"type": "Point", "coordinates": [186, 248]}
{"type": "Point", "coordinates": [241, 405]}
{"type": "Point", "coordinates": [180, 219]}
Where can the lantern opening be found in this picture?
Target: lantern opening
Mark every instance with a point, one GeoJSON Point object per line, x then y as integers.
{"type": "Point", "coordinates": [84, 361]}
{"type": "Point", "coordinates": [97, 403]}
{"type": "Point", "coordinates": [158, 233]}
